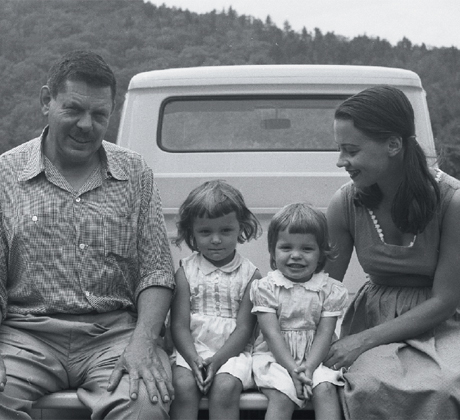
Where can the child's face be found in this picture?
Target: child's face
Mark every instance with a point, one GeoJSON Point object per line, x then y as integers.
{"type": "Point", "coordinates": [297, 255]}
{"type": "Point", "coordinates": [217, 238]}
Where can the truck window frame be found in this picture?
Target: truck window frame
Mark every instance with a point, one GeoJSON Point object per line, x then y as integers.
{"type": "Point", "coordinates": [215, 98]}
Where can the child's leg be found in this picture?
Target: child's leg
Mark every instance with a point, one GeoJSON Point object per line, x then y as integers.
{"type": "Point", "coordinates": [326, 402]}
{"type": "Point", "coordinates": [187, 395]}
{"type": "Point", "coordinates": [224, 397]}
{"type": "Point", "coordinates": [280, 406]}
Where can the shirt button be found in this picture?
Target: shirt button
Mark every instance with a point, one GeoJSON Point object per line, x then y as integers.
{"type": "Point", "coordinates": [87, 293]}
{"type": "Point", "coordinates": [82, 246]}
{"type": "Point", "coordinates": [34, 218]}
{"type": "Point", "coordinates": [78, 199]}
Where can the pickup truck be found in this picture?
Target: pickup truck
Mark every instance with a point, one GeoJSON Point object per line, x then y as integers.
{"type": "Point", "coordinates": [265, 129]}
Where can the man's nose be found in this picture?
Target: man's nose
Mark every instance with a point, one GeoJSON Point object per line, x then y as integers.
{"type": "Point", "coordinates": [85, 122]}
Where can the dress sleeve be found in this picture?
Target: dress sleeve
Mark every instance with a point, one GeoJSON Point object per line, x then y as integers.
{"type": "Point", "coordinates": [335, 299]}
{"type": "Point", "coordinates": [263, 296]}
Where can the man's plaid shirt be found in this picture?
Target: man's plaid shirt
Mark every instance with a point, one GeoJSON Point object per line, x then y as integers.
{"type": "Point", "coordinates": [68, 252]}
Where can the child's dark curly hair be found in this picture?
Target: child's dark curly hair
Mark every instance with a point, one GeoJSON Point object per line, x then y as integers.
{"type": "Point", "coordinates": [300, 218]}
{"type": "Point", "coordinates": [215, 199]}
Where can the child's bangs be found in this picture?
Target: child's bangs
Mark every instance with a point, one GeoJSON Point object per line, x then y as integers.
{"type": "Point", "coordinates": [213, 208]}
{"type": "Point", "coordinates": [300, 223]}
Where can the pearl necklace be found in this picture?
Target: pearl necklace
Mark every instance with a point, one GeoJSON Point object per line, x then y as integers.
{"type": "Point", "coordinates": [377, 225]}
{"type": "Point", "coordinates": [379, 229]}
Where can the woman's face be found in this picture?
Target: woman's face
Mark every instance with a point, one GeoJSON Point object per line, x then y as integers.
{"type": "Point", "coordinates": [365, 159]}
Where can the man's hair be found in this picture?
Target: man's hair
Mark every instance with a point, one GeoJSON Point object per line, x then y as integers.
{"type": "Point", "coordinates": [85, 66]}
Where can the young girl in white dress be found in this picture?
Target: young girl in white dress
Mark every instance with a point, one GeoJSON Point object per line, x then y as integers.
{"type": "Point", "coordinates": [211, 321]}
{"type": "Point", "coordinates": [297, 307]}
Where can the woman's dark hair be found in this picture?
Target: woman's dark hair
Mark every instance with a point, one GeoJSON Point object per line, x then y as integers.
{"type": "Point", "coordinates": [215, 199]}
{"type": "Point", "coordinates": [381, 112]}
{"type": "Point", "coordinates": [300, 218]}
{"type": "Point", "coordinates": [83, 66]}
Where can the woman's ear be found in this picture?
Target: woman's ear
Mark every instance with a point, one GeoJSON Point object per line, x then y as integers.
{"type": "Point", "coordinates": [394, 145]}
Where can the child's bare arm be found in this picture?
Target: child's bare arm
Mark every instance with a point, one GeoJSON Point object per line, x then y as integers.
{"type": "Point", "coordinates": [269, 326]}
{"type": "Point", "coordinates": [321, 344]}
{"type": "Point", "coordinates": [180, 327]}
{"type": "Point", "coordinates": [235, 344]}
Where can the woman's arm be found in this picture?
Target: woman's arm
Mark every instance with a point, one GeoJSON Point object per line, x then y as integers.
{"type": "Point", "coordinates": [341, 238]}
{"type": "Point", "coordinates": [442, 304]}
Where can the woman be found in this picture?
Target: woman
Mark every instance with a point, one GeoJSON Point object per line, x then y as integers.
{"type": "Point", "coordinates": [401, 334]}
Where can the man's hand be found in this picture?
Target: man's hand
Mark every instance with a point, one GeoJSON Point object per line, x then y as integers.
{"type": "Point", "coordinates": [141, 361]}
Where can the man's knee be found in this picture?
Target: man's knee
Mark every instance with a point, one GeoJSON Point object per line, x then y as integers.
{"type": "Point", "coordinates": [118, 405]}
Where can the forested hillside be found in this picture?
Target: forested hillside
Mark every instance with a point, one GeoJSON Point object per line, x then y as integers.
{"type": "Point", "coordinates": [135, 36]}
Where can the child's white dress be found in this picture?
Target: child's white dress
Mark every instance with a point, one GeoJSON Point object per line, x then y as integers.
{"type": "Point", "coordinates": [215, 297]}
{"type": "Point", "coordinates": [298, 307]}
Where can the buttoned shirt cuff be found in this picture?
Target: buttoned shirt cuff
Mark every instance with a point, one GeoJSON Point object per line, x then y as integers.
{"type": "Point", "coordinates": [3, 308]}
{"type": "Point", "coordinates": [161, 279]}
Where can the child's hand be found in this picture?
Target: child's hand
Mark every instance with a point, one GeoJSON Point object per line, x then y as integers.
{"type": "Point", "coordinates": [211, 369]}
{"type": "Point", "coordinates": [199, 371]}
{"type": "Point", "coordinates": [302, 382]}
{"type": "Point", "coordinates": [307, 392]}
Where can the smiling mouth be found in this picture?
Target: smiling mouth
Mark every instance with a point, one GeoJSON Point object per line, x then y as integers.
{"type": "Point", "coordinates": [296, 266]}
{"type": "Point", "coordinates": [353, 174]}
{"type": "Point", "coordinates": [80, 141]}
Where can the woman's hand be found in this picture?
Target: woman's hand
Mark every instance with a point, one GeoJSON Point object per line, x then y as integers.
{"type": "Point", "coordinates": [344, 352]}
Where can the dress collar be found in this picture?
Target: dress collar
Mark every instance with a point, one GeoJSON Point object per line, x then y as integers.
{"type": "Point", "coordinates": [207, 267]}
{"type": "Point", "coordinates": [315, 284]}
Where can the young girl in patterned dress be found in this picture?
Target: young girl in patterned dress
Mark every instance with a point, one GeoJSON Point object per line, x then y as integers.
{"type": "Point", "coordinates": [297, 307]}
{"type": "Point", "coordinates": [211, 320]}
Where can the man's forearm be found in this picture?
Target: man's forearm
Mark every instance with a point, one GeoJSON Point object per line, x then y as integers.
{"type": "Point", "coordinates": [152, 306]}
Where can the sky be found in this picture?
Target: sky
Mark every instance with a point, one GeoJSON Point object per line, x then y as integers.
{"type": "Point", "coordinates": [433, 22]}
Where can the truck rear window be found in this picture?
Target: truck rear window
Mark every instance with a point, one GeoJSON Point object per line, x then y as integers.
{"type": "Point", "coordinates": [256, 123]}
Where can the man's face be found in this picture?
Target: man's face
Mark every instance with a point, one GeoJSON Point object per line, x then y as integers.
{"type": "Point", "coordinates": [78, 119]}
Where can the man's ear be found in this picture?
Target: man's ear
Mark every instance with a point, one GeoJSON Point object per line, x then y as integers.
{"type": "Point", "coordinates": [45, 99]}
{"type": "Point", "coordinates": [394, 145]}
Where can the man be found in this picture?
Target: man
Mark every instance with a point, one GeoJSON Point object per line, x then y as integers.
{"type": "Point", "coordinates": [86, 276]}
